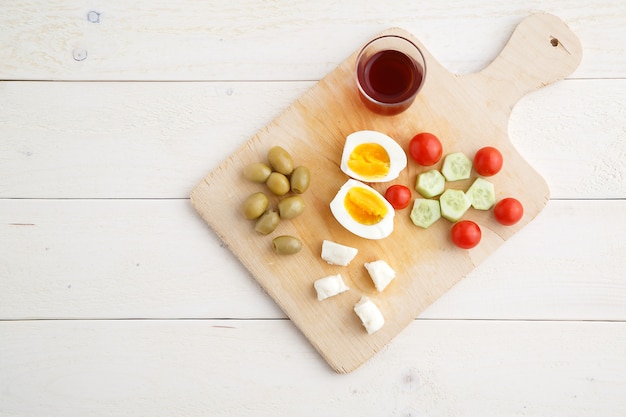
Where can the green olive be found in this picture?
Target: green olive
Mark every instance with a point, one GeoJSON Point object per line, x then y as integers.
{"type": "Point", "coordinates": [267, 223]}
{"type": "Point", "coordinates": [257, 172]}
{"type": "Point", "coordinates": [280, 160]}
{"type": "Point", "coordinates": [290, 207]}
{"type": "Point", "coordinates": [286, 245]}
{"type": "Point", "coordinates": [254, 205]}
{"type": "Point", "coordinates": [300, 179]}
{"type": "Point", "coordinates": [278, 183]}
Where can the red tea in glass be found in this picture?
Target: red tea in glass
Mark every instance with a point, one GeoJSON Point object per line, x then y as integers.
{"type": "Point", "coordinates": [390, 71]}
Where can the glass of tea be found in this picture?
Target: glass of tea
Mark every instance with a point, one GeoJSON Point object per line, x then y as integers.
{"type": "Point", "coordinates": [390, 71]}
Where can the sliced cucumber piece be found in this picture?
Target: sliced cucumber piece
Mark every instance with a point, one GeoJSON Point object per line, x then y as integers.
{"type": "Point", "coordinates": [482, 194]}
{"type": "Point", "coordinates": [430, 183]}
{"type": "Point", "coordinates": [454, 204]}
{"type": "Point", "coordinates": [425, 212]}
{"type": "Point", "coordinates": [456, 166]}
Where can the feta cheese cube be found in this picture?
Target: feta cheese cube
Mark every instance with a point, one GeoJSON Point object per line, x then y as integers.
{"type": "Point", "coordinates": [370, 315]}
{"type": "Point", "coordinates": [381, 273]}
{"type": "Point", "coordinates": [329, 286]}
{"type": "Point", "coordinates": [336, 254]}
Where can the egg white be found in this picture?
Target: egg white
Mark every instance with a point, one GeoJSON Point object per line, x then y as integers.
{"type": "Point", "coordinates": [397, 156]}
{"type": "Point", "coordinates": [379, 230]}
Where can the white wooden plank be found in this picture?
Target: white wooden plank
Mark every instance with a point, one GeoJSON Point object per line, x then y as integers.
{"type": "Point", "coordinates": [119, 134]}
{"type": "Point", "coordinates": [126, 140]}
{"type": "Point", "coordinates": [264, 368]}
{"type": "Point", "coordinates": [157, 259]}
{"type": "Point", "coordinates": [157, 140]}
{"type": "Point", "coordinates": [280, 40]}
{"type": "Point", "coordinates": [567, 264]}
{"type": "Point", "coordinates": [118, 259]}
{"type": "Point", "coordinates": [575, 137]}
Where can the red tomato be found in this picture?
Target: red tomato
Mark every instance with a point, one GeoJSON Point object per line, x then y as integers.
{"type": "Point", "coordinates": [508, 211]}
{"type": "Point", "coordinates": [466, 234]}
{"type": "Point", "coordinates": [488, 161]}
{"type": "Point", "coordinates": [398, 196]}
{"type": "Point", "coordinates": [425, 149]}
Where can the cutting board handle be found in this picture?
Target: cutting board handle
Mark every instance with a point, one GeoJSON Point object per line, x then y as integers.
{"type": "Point", "coordinates": [541, 50]}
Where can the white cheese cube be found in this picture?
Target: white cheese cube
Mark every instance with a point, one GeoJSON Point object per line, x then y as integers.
{"type": "Point", "coordinates": [381, 273]}
{"type": "Point", "coordinates": [329, 286]}
{"type": "Point", "coordinates": [336, 254]}
{"type": "Point", "coordinates": [370, 315]}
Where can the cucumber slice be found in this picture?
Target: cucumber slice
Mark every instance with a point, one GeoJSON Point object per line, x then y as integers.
{"type": "Point", "coordinates": [430, 183]}
{"type": "Point", "coordinates": [456, 166]}
{"type": "Point", "coordinates": [425, 212]}
{"type": "Point", "coordinates": [454, 204]}
{"type": "Point", "coordinates": [482, 194]}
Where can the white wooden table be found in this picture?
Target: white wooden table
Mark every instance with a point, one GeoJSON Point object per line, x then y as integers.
{"type": "Point", "coordinates": [117, 300]}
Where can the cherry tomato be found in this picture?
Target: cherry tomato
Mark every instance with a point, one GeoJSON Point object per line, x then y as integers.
{"type": "Point", "coordinates": [508, 211]}
{"type": "Point", "coordinates": [398, 196]}
{"type": "Point", "coordinates": [425, 149]}
{"type": "Point", "coordinates": [465, 234]}
{"type": "Point", "coordinates": [488, 161]}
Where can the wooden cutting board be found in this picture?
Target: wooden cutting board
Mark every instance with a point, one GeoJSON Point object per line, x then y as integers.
{"type": "Point", "coordinates": [466, 112]}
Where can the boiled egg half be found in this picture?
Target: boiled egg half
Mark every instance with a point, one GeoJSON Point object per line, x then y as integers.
{"type": "Point", "coordinates": [362, 210]}
{"type": "Point", "coordinates": [372, 156]}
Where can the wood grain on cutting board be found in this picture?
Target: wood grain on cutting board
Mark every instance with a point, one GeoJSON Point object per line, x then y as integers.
{"type": "Point", "coordinates": [465, 112]}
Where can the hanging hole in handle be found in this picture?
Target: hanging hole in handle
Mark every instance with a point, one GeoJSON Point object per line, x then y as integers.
{"type": "Point", "coordinates": [554, 42]}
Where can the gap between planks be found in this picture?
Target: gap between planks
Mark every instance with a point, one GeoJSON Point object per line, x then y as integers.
{"type": "Point", "coordinates": [277, 319]}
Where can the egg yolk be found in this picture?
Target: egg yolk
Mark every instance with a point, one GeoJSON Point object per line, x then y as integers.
{"type": "Point", "coordinates": [369, 160]}
{"type": "Point", "coordinates": [365, 206]}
